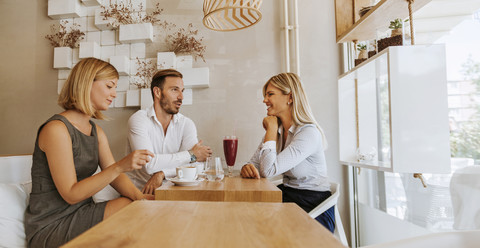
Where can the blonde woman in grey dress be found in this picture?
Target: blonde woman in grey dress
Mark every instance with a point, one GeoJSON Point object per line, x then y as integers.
{"type": "Point", "coordinates": [68, 150]}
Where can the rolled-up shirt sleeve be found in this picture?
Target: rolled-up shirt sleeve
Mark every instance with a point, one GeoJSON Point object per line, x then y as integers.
{"type": "Point", "coordinates": [255, 159]}
{"type": "Point", "coordinates": [167, 163]}
{"type": "Point", "coordinates": [303, 144]}
{"type": "Point", "coordinates": [189, 138]}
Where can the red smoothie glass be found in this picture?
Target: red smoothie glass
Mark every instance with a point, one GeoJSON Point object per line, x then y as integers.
{"type": "Point", "coordinates": [230, 144]}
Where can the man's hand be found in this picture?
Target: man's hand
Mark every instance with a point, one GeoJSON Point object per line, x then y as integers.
{"type": "Point", "coordinates": [154, 182]}
{"type": "Point", "coordinates": [201, 152]}
{"type": "Point", "coordinates": [249, 171]}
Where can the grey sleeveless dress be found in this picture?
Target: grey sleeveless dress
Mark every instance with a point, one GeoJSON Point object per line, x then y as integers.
{"type": "Point", "coordinates": [49, 220]}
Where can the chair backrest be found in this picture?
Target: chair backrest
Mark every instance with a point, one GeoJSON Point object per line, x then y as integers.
{"type": "Point", "coordinates": [328, 203]}
{"type": "Point", "coordinates": [324, 206]}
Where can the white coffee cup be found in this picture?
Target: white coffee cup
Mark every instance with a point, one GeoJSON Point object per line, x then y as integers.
{"type": "Point", "coordinates": [187, 173]}
{"type": "Point", "coordinates": [200, 167]}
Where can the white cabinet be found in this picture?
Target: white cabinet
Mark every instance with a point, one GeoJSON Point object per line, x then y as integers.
{"type": "Point", "coordinates": [396, 103]}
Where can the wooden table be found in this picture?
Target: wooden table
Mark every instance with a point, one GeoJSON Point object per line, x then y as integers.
{"type": "Point", "coordinates": [229, 189]}
{"type": "Point", "coordinates": [207, 224]}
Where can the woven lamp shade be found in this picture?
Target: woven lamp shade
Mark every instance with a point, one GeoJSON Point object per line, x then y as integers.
{"type": "Point", "coordinates": [230, 15]}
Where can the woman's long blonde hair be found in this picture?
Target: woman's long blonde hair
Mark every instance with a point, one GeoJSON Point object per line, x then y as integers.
{"type": "Point", "coordinates": [76, 90]}
{"type": "Point", "coordinates": [301, 112]}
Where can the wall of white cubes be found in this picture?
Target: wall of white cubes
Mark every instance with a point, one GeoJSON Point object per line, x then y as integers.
{"type": "Point", "coordinates": [121, 48]}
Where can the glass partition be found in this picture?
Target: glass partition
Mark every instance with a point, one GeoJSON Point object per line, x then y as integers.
{"type": "Point", "coordinates": [367, 113]}
{"type": "Point", "coordinates": [383, 111]}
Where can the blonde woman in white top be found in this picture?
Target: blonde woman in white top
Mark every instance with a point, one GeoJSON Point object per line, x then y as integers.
{"type": "Point", "coordinates": [293, 146]}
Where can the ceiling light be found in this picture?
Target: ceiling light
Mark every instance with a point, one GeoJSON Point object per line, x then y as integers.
{"type": "Point", "coordinates": [230, 15]}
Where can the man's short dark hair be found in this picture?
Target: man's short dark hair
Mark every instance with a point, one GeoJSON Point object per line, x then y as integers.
{"type": "Point", "coordinates": [158, 80]}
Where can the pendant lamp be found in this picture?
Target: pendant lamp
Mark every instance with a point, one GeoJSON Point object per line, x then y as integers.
{"type": "Point", "coordinates": [230, 15]}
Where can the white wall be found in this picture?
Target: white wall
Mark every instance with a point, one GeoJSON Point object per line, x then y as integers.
{"type": "Point", "coordinates": [240, 62]}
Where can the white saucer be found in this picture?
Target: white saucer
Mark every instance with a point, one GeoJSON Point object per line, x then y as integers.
{"type": "Point", "coordinates": [183, 182]}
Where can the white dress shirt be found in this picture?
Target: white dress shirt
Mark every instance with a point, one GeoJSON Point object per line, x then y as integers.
{"type": "Point", "coordinates": [302, 161]}
{"type": "Point", "coordinates": [170, 149]}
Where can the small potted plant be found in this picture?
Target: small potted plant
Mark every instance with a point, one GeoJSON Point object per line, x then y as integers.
{"type": "Point", "coordinates": [64, 39]}
{"type": "Point", "coordinates": [362, 53]}
{"type": "Point", "coordinates": [396, 37]}
{"type": "Point", "coordinates": [396, 27]}
{"type": "Point", "coordinates": [134, 26]}
{"type": "Point", "coordinates": [362, 49]}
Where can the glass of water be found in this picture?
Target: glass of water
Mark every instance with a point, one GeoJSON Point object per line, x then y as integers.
{"type": "Point", "coordinates": [214, 169]}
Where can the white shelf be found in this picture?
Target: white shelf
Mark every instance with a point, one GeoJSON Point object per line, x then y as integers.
{"type": "Point", "coordinates": [374, 165]}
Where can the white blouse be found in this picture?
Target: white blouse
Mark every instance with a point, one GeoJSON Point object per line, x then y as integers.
{"type": "Point", "coordinates": [302, 161]}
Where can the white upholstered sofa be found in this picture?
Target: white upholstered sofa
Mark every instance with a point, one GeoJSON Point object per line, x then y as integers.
{"type": "Point", "coordinates": [15, 188]}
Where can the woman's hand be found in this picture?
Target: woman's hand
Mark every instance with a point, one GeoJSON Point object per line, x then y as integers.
{"type": "Point", "coordinates": [135, 160]}
{"type": "Point", "coordinates": [249, 171]}
{"type": "Point", "coordinates": [270, 123]}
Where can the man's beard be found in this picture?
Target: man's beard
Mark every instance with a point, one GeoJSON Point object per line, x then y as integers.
{"type": "Point", "coordinates": [168, 107]}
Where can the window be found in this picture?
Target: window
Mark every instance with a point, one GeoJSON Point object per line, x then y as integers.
{"type": "Point", "coordinates": [403, 196]}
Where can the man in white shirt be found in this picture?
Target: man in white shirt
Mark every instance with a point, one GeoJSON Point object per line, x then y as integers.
{"type": "Point", "coordinates": [160, 128]}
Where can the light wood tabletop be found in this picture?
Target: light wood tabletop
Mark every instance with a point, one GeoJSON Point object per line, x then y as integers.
{"type": "Point", "coordinates": [229, 189]}
{"type": "Point", "coordinates": [207, 224]}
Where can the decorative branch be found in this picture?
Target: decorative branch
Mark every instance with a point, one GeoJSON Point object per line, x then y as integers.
{"type": "Point", "coordinates": [124, 13]}
{"type": "Point", "coordinates": [65, 37]}
{"type": "Point", "coordinates": [145, 71]}
{"type": "Point", "coordinates": [186, 41]}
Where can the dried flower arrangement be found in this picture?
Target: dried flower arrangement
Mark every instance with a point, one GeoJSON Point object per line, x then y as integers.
{"type": "Point", "coordinates": [65, 37]}
{"type": "Point", "coordinates": [124, 13]}
{"type": "Point", "coordinates": [186, 41]}
{"type": "Point", "coordinates": [145, 71]}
